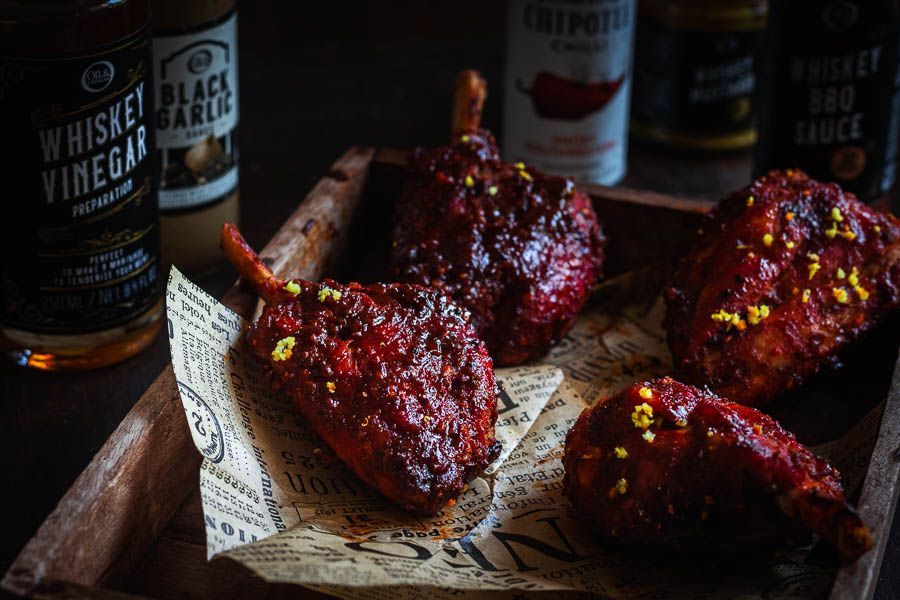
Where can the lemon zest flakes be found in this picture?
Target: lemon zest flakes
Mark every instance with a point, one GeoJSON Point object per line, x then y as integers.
{"type": "Point", "coordinates": [620, 452]}
{"type": "Point", "coordinates": [620, 488]}
{"type": "Point", "coordinates": [649, 436]}
{"type": "Point", "coordinates": [284, 348]}
{"type": "Point", "coordinates": [750, 201]}
{"type": "Point", "coordinates": [840, 273]}
{"type": "Point", "coordinates": [520, 167]}
{"type": "Point", "coordinates": [465, 138]}
{"type": "Point", "coordinates": [768, 239]}
{"type": "Point", "coordinates": [469, 181]}
{"type": "Point", "coordinates": [806, 294]}
{"type": "Point", "coordinates": [330, 386]}
{"type": "Point", "coordinates": [681, 422]}
{"type": "Point", "coordinates": [732, 319]}
{"type": "Point", "coordinates": [853, 279]}
{"type": "Point", "coordinates": [327, 292]}
{"type": "Point", "coordinates": [877, 228]}
{"type": "Point", "coordinates": [840, 294]}
{"type": "Point", "coordinates": [645, 393]}
{"type": "Point", "coordinates": [789, 245]}
{"type": "Point", "coordinates": [757, 429]}
{"type": "Point", "coordinates": [710, 433]}
{"type": "Point", "coordinates": [789, 216]}
{"type": "Point", "coordinates": [492, 190]}
{"type": "Point", "coordinates": [642, 416]}
{"type": "Point", "coordinates": [756, 314]}
{"type": "Point", "coordinates": [814, 265]}
{"type": "Point", "coordinates": [293, 287]}
{"type": "Point", "coordinates": [832, 231]}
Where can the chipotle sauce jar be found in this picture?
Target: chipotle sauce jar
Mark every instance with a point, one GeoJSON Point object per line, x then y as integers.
{"type": "Point", "coordinates": [568, 86]}
{"type": "Point", "coordinates": [79, 281]}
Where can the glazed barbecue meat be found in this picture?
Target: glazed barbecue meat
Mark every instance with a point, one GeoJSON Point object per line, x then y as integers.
{"type": "Point", "coordinates": [392, 377]}
{"type": "Point", "coordinates": [519, 249]}
{"type": "Point", "coordinates": [785, 274]}
{"type": "Point", "coordinates": [663, 464]}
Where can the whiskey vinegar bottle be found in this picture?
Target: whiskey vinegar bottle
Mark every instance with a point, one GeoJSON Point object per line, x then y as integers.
{"type": "Point", "coordinates": [196, 75]}
{"type": "Point", "coordinates": [79, 277]}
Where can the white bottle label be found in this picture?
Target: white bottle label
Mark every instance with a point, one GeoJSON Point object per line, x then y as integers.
{"type": "Point", "coordinates": [568, 86]}
{"type": "Point", "coordinates": [196, 78]}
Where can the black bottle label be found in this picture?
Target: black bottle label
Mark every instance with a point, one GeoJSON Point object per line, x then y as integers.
{"type": "Point", "coordinates": [695, 82]}
{"type": "Point", "coordinates": [196, 75]}
{"type": "Point", "coordinates": [833, 104]}
{"type": "Point", "coordinates": [81, 252]}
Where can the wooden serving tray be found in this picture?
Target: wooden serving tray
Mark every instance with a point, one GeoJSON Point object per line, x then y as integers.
{"type": "Point", "coordinates": [132, 524]}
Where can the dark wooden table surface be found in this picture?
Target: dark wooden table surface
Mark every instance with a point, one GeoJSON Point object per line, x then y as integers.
{"type": "Point", "coordinates": [301, 106]}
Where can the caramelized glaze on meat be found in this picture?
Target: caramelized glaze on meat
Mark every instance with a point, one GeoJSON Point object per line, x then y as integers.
{"type": "Point", "coordinates": [785, 274]}
{"type": "Point", "coordinates": [666, 464]}
{"type": "Point", "coordinates": [519, 249]}
{"type": "Point", "coordinates": [392, 377]}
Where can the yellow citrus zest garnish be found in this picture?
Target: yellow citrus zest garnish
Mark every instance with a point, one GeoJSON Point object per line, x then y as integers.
{"type": "Point", "coordinates": [327, 292]}
{"type": "Point", "coordinates": [642, 416]}
{"type": "Point", "coordinates": [284, 348]}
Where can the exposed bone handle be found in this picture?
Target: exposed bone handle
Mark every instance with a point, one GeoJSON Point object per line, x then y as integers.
{"type": "Point", "coordinates": [249, 265]}
{"type": "Point", "coordinates": [468, 101]}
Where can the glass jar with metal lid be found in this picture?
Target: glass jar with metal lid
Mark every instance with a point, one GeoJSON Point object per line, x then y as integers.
{"type": "Point", "coordinates": [695, 76]}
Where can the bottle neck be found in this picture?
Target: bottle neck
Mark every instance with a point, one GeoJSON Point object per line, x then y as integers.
{"type": "Point", "coordinates": [178, 15]}
{"type": "Point", "coordinates": [36, 28]}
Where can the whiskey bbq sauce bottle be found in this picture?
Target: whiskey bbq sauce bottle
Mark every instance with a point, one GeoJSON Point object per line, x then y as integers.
{"type": "Point", "coordinates": [196, 76]}
{"type": "Point", "coordinates": [79, 277]}
{"type": "Point", "coordinates": [694, 73]}
{"type": "Point", "coordinates": [830, 93]}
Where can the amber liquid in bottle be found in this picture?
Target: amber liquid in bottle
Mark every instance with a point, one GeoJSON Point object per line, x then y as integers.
{"type": "Point", "coordinates": [196, 78]}
{"type": "Point", "coordinates": [79, 278]}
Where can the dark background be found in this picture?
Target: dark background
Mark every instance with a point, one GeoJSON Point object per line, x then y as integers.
{"type": "Point", "coordinates": [315, 79]}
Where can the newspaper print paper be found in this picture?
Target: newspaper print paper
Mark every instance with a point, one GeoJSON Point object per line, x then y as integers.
{"type": "Point", "coordinates": [278, 501]}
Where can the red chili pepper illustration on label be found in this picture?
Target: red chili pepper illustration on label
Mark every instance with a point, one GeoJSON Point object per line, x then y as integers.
{"type": "Point", "coordinates": [555, 97]}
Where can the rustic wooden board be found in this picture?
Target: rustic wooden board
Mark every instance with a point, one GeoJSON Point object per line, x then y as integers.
{"type": "Point", "coordinates": [132, 523]}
